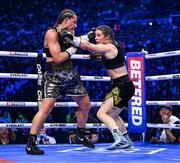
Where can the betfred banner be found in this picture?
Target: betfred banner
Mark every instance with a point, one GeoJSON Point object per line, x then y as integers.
{"type": "Point", "coordinates": [137, 104]}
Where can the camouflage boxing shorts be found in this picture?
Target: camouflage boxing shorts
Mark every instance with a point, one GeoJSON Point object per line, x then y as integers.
{"type": "Point", "coordinates": [61, 83]}
{"type": "Point", "coordinates": [122, 91]}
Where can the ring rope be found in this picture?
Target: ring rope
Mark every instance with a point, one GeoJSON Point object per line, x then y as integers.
{"type": "Point", "coordinates": [35, 104]}
{"type": "Point", "coordinates": [82, 56]}
{"type": "Point", "coordinates": [162, 54]}
{"type": "Point", "coordinates": [35, 55]}
{"type": "Point", "coordinates": [73, 104]}
{"type": "Point", "coordinates": [88, 78]}
{"type": "Point", "coordinates": [35, 76]}
{"type": "Point", "coordinates": [163, 77]}
{"type": "Point", "coordinates": [175, 102]}
{"type": "Point", "coordinates": [74, 125]}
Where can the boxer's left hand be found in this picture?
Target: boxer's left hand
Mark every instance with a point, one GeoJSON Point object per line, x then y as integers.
{"type": "Point", "coordinates": [68, 37]}
{"type": "Point", "coordinates": [90, 36]}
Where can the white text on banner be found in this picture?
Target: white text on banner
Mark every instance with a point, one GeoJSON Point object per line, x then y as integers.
{"type": "Point", "coordinates": [137, 104]}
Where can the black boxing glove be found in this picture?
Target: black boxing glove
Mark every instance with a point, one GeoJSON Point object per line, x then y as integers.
{"type": "Point", "coordinates": [68, 37]}
{"type": "Point", "coordinates": [65, 35]}
{"type": "Point", "coordinates": [90, 36]}
{"type": "Point", "coordinates": [76, 41]}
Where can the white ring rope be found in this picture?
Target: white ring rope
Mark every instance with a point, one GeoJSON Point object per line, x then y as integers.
{"type": "Point", "coordinates": [163, 77]}
{"type": "Point", "coordinates": [35, 55]}
{"type": "Point", "coordinates": [82, 56]}
{"type": "Point", "coordinates": [88, 78]}
{"type": "Point", "coordinates": [163, 54]}
{"type": "Point", "coordinates": [35, 104]}
{"type": "Point", "coordinates": [35, 76]}
{"type": "Point", "coordinates": [73, 104]}
{"type": "Point", "coordinates": [74, 125]}
{"type": "Point", "coordinates": [175, 102]}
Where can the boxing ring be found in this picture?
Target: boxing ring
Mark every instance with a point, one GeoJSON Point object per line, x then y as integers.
{"type": "Point", "coordinates": [143, 152]}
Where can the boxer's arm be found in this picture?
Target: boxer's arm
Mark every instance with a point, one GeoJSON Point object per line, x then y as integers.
{"type": "Point", "coordinates": [97, 48]}
{"type": "Point", "coordinates": [85, 45]}
{"type": "Point", "coordinates": [54, 47]}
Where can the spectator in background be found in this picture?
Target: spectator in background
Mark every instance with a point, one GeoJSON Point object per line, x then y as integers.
{"type": "Point", "coordinates": [7, 136]}
{"type": "Point", "coordinates": [43, 138]}
{"type": "Point", "coordinates": [21, 133]}
{"type": "Point", "coordinates": [5, 116]}
{"type": "Point", "coordinates": [21, 118]}
{"type": "Point", "coordinates": [166, 135]}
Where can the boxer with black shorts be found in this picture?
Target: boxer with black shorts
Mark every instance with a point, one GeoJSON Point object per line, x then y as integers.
{"type": "Point", "coordinates": [60, 79]}
{"type": "Point", "coordinates": [112, 55]}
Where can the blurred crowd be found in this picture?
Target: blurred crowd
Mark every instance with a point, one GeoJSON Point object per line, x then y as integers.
{"type": "Point", "coordinates": [140, 24]}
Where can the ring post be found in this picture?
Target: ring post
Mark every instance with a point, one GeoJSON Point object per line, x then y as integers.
{"type": "Point", "coordinates": [137, 104]}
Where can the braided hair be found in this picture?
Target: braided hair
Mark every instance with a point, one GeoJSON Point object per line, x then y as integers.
{"type": "Point", "coordinates": [66, 13]}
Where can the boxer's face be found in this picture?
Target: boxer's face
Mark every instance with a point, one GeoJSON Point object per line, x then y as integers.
{"type": "Point", "coordinates": [71, 23]}
{"type": "Point", "coordinates": [100, 37]}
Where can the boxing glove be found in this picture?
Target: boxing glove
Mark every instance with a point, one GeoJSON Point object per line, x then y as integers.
{"type": "Point", "coordinates": [65, 35]}
{"type": "Point", "coordinates": [90, 36]}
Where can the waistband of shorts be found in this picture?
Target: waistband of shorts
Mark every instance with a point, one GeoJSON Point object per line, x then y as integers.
{"type": "Point", "coordinates": [120, 79]}
{"type": "Point", "coordinates": [52, 66]}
